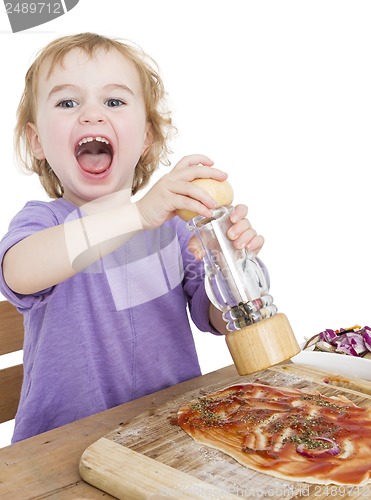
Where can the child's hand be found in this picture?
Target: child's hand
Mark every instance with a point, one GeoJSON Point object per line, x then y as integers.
{"type": "Point", "coordinates": [241, 233]}
{"type": "Point", "coordinates": [175, 191]}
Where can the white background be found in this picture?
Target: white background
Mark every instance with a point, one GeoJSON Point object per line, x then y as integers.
{"type": "Point", "coordinates": [278, 94]}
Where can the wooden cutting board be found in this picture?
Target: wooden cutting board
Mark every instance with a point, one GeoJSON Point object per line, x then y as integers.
{"type": "Point", "coordinates": [152, 458]}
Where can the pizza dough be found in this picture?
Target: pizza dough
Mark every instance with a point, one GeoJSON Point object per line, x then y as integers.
{"type": "Point", "coordinates": [287, 433]}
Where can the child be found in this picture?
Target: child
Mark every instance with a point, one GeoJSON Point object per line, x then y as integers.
{"type": "Point", "coordinates": [104, 283]}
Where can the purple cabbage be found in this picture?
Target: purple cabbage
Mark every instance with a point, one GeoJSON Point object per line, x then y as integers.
{"type": "Point", "coordinates": [328, 336]}
{"type": "Point", "coordinates": [352, 345]}
{"type": "Point", "coordinates": [349, 341]}
{"type": "Point", "coordinates": [367, 337]}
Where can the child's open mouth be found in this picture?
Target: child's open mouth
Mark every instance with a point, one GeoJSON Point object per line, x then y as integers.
{"type": "Point", "coordinates": [94, 154]}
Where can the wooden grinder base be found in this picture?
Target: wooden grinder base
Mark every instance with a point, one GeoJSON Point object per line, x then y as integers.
{"type": "Point", "coordinates": [263, 344]}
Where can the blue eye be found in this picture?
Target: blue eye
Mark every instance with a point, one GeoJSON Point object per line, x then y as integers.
{"type": "Point", "coordinates": [114, 103]}
{"type": "Point", "coordinates": [67, 103]}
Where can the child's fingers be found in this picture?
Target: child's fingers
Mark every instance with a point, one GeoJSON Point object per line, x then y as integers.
{"type": "Point", "coordinates": [196, 193]}
{"type": "Point", "coordinates": [256, 244]}
{"type": "Point", "coordinates": [198, 167]}
{"type": "Point", "coordinates": [239, 212]}
{"type": "Point", "coordinates": [192, 205]}
{"type": "Point", "coordinates": [195, 247]}
{"type": "Point", "coordinates": [244, 235]}
{"type": "Point", "coordinates": [195, 159]}
{"type": "Point", "coordinates": [250, 240]}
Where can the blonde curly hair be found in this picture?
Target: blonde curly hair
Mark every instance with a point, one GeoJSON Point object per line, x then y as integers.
{"type": "Point", "coordinates": [154, 98]}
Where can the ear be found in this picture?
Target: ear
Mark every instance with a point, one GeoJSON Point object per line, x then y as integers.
{"type": "Point", "coordinates": [34, 141]}
{"type": "Point", "coordinates": [148, 138]}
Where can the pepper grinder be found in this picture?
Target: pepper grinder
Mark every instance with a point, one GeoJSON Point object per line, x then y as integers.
{"type": "Point", "coordinates": [259, 336]}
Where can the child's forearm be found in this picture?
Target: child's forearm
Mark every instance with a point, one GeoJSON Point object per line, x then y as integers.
{"type": "Point", "coordinates": [217, 320]}
{"type": "Point", "coordinates": [52, 255]}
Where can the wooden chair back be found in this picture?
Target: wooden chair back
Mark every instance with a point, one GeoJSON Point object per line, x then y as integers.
{"type": "Point", "coordinates": [11, 340]}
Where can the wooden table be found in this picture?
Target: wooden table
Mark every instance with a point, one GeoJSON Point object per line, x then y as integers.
{"type": "Point", "coordinates": [46, 466]}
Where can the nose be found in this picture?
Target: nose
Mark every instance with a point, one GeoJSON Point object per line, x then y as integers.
{"type": "Point", "coordinates": [92, 113]}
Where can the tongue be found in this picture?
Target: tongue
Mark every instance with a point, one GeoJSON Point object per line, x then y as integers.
{"type": "Point", "coordinates": [94, 163]}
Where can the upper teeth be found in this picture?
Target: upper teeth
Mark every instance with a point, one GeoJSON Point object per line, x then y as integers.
{"type": "Point", "coordinates": [90, 139]}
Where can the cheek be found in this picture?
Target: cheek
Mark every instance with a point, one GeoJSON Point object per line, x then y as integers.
{"type": "Point", "coordinates": [134, 138]}
{"type": "Point", "coordinates": [54, 150]}
{"type": "Point", "coordinates": [58, 157]}
{"type": "Point", "coordinates": [136, 124]}
{"type": "Point", "coordinates": [54, 139]}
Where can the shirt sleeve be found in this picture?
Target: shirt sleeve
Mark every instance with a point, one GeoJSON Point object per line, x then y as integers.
{"type": "Point", "coordinates": [34, 217]}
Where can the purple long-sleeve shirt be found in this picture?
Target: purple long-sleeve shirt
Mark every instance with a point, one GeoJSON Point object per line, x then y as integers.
{"type": "Point", "coordinates": [112, 333]}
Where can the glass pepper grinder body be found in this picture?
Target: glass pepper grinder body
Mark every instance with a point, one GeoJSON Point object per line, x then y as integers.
{"type": "Point", "coordinates": [236, 285]}
{"type": "Point", "coordinates": [235, 282]}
